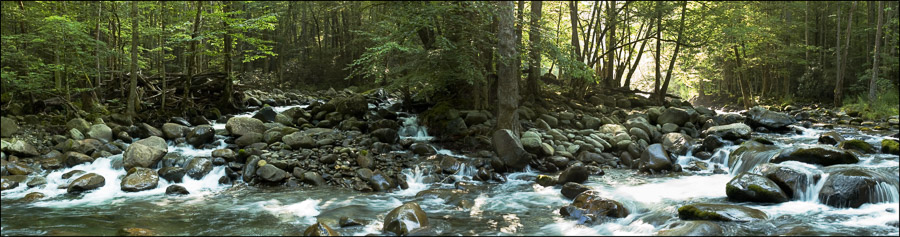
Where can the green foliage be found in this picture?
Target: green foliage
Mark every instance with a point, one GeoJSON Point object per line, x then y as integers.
{"type": "Point", "coordinates": [887, 104]}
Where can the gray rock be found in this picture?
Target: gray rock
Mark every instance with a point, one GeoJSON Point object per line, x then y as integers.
{"type": "Point", "coordinates": [571, 190]}
{"type": "Point", "coordinates": [176, 190]}
{"type": "Point", "coordinates": [855, 186]}
{"type": "Point", "coordinates": [173, 131]}
{"type": "Point", "coordinates": [79, 124]}
{"type": "Point", "coordinates": [655, 159]}
{"type": "Point", "coordinates": [823, 156]}
{"type": "Point", "coordinates": [172, 174]}
{"type": "Point", "coordinates": [271, 173]}
{"type": "Point", "coordinates": [198, 167]}
{"type": "Point", "coordinates": [299, 140]}
{"type": "Point", "coordinates": [200, 135]}
{"type": "Point", "coordinates": [238, 126]}
{"type": "Point", "coordinates": [139, 179]}
{"type": "Point", "coordinates": [676, 143]}
{"type": "Point", "coordinates": [385, 135]}
{"type": "Point", "coordinates": [759, 116]}
{"type": "Point", "coordinates": [749, 187]}
{"type": "Point", "coordinates": [405, 218]}
{"type": "Point", "coordinates": [248, 139]}
{"type": "Point", "coordinates": [576, 174]}
{"type": "Point", "coordinates": [18, 147]}
{"type": "Point", "coordinates": [75, 158]}
{"type": "Point", "coordinates": [86, 182]}
{"type": "Point", "coordinates": [509, 148]}
{"type": "Point", "coordinates": [8, 127]}
{"type": "Point", "coordinates": [313, 178]}
{"type": "Point", "coordinates": [266, 115]}
{"type": "Point", "coordinates": [732, 131]}
{"type": "Point", "coordinates": [677, 116]}
{"type": "Point", "coordinates": [145, 152]}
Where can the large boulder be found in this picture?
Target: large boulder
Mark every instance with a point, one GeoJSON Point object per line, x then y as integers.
{"type": "Point", "coordinates": [266, 114]}
{"type": "Point", "coordinates": [793, 180]}
{"type": "Point", "coordinates": [319, 229]}
{"type": "Point", "coordinates": [200, 135]}
{"type": "Point", "coordinates": [571, 190]}
{"type": "Point", "coordinates": [531, 141]}
{"type": "Point", "coordinates": [590, 207]}
{"type": "Point", "coordinates": [655, 160]}
{"type": "Point", "coordinates": [749, 187]}
{"type": "Point", "coordinates": [8, 127]}
{"type": "Point", "coordinates": [823, 156]}
{"type": "Point", "coordinates": [79, 124]}
{"type": "Point", "coordinates": [173, 131]}
{"type": "Point", "coordinates": [355, 105]}
{"type": "Point", "coordinates": [75, 158]}
{"type": "Point", "coordinates": [750, 154]}
{"type": "Point", "coordinates": [858, 145]}
{"type": "Point", "coordinates": [386, 135]}
{"type": "Point", "coordinates": [576, 174]}
{"type": "Point", "coordinates": [732, 131]}
{"type": "Point", "coordinates": [238, 126]}
{"type": "Point", "coordinates": [719, 212]}
{"type": "Point", "coordinates": [100, 132]}
{"type": "Point", "coordinates": [677, 116]}
{"type": "Point", "coordinates": [139, 179]}
{"type": "Point", "coordinates": [248, 139]}
{"type": "Point", "coordinates": [509, 149]}
{"type": "Point", "coordinates": [198, 167]}
{"type": "Point", "coordinates": [889, 146]}
{"type": "Point", "coordinates": [145, 153]}
{"type": "Point", "coordinates": [299, 140]}
{"type": "Point", "coordinates": [86, 182]}
{"type": "Point", "coordinates": [676, 143]}
{"type": "Point", "coordinates": [761, 117]}
{"type": "Point", "coordinates": [172, 174]}
{"type": "Point", "coordinates": [405, 219]}
{"type": "Point", "coordinates": [855, 186]}
{"type": "Point", "coordinates": [271, 173]}
{"type": "Point", "coordinates": [18, 147]}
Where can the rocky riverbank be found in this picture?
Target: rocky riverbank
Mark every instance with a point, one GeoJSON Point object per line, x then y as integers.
{"type": "Point", "coordinates": [364, 141]}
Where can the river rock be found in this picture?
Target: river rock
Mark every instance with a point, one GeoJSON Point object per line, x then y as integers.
{"type": "Point", "coordinates": [145, 152]}
{"type": "Point", "coordinates": [176, 190]}
{"type": "Point", "coordinates": [676, 143]}
{"type": "Point", "coordinates": [719, 212]}
{"type": "Point", "coordinates": [693, 228]}
{"type": "Point", "coordinates": [198, 167]}
{"type": "Point", "coordinates": [677, 116]}
{"type": "Point", "coordinates": [788, 178]}
{"type": "Point", "coordinates": [75, 158]}
{"type": "Point", "coordinates": [313, 178]}
{"type": "Point", "coordinates": [238, 126]}
{"type": "Point", "coordinates": [761, 117]}
{"type": "Point", "coordinates": [545, 180]}
{"type": "Point", "coordinates": [380, 182]}
{"type": "Point", "coordinates": [33, 196]}
{"type": "Point", "coordinates": [299, 140]}
{"type": "Point", "coordinates": [319, 229]}
{"type": "Point", "coordinates": [18, 147]}
{"type": "Point", "coordinates": [79, 124]}
{"type": "Point", "coordinates": [145, 130]}
{"type": "Point", "coordinates": [422, 149]}
{"type": "Point", "coordinates": [711, 143]}
{"type": "Point", "coordinates": [576, 174]}
{"type": "Point", "coordinates": [405, 219]}
{"type": "Point", "coordinates": [732, 131]}
{"type": "Point", "coordinates": [271, 173]}
{"type": "Point", "coordinates": [509, 148]}
{"type": "Point", "coordinates": [889, 146]}
{"type": "Point", "coordinates": [655, 159]}
{"type": "Point", "coordinates": [249, 170]}
{"type": "Point", "coordinates": [248, 139]}
{"type": "Point", "coordinates": [386, 135]}
{"type": "Point", "coordinates": [858, 145]}
{"type": "Point", "coordinates": [354, 105]}
{"type": "Point", "coordinates": [8, 184]}
{"type": "Point", "coordinates": [225, 153]}
{"type": "Point", "coordinates": [266, 115]}
{"type": "Point", "coordinates": [830, 138]}
{"type": "Point", "coordinates": [855, 186]}
{"type": "Point", "coordinates": [531, 141]}
{"type": "Point", "coordinates": [8, 127]}
{"type": "Point", "coordinates": [200, 135]}
{"type": "Point", "coordinates": [549, 120]}
{"type": "Point", "coordinates": [100, 132]}
{"type": "Point", "coordinates": [139, 179]}
{"type": "Point", "coordinates": [590, 207]}
{"type": "Point", "coordinates": [823, 156]}
{"type": "Point", "coordinates": [172, 174]}
{"type": "Point", "coordinates": [571, 190]}
{"type": "Point", "coordinates": [173, 131]}
{"type": "Point", "coordinates": [476, 117]}
{"type": "Point", "coordinates": [36, 181]}
{"type": "Point", "coordinates": [86, 182]}
{"type": "Point", "coordinates": [749, 187]}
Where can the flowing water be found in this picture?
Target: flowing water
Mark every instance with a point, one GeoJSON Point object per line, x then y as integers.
{"type": "Point", "coordinates": [516, 207]}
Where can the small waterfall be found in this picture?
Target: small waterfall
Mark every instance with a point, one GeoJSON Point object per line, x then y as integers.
{"type": "Point", "coordinates": [412, 130]}
{"type": "Point", "coordinates": [885, 193]}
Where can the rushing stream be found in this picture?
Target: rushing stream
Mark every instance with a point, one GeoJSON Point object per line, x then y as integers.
{"type": "Point", "coordinates": [516, 207]}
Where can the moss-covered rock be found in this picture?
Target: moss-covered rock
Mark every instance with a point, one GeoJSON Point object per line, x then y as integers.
{"type": "Point", "coordinates": [545, 180]}
{"type": "Point", "coordinates": [856, 144]}
{"type": "Point", "coordinates": [719, 212]}
{"type": "Point", "coordinates": [889, 146]}
{"type": "Point", "coordinates": [823, 156]}
{"type": "Point", "coordinates": [749, 187]}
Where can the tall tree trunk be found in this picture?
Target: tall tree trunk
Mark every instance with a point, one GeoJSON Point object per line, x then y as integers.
{"type": "Point", "coordinates": [573, 13]}
{"type": "Point", "coordinates": [877, 54]}
{"type": "Point", "coordinates": [226, 97]}
{"type": "Point", "coordinates": [97, 80]}
{"type": "Point", "coordinates": [162, 52]}
{"type": "Point", "coordinates": [658, 44]}
{"type": "Point", "coordinates": [637, 61]}
{"type": "Point", "coordinates": [187, 100]}
{"type": "Point", "coordinates": [806, 32]}
{"type": "Point", "coordinates": [661, 97]}
{"type": "Point", "coordinates": [533, 91]}
{"type": "Point", "coordinates": [507, 87]}
{"type": "Point", "coordinates": [839, 86]}
{"type": "Point", "coordinates": [132, 92]}
{"type": "Point", "coordinates": [610, 45]}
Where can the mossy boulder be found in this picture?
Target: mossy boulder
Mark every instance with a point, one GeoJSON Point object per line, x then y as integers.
{"type": "Point", "coordinates": [749, 187]}
{"type": "Point", "coordinates": [8, 127]}
{"type": "Point", "coordinates": [889, 146]}
{"type": "Point", "coordinates": [545, 180]}
{"type": "Point", "coordinates": [858, 145]}
{"type": "Point", "coordinates": [855, 186]}
{"type": "Point", "coordinates": [823, 156]}
{"type": "Point", "coordinates": [719, 212]}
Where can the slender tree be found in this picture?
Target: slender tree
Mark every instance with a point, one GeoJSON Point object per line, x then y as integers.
{"type": "Point", "coordinates": [839, 86]}
{"type": "Point", "coordinates": [662, 93]}
{"type": "Point", "coordinates": [872, 88]}
{"type": "Point", "coordinates": [193, 57]}
{"type": "Point", "coordinates": [507, 86]}
{"type": "Point", "coordinates": [132, 92]}
{"type": "Point", "coordinates": [534, 35]}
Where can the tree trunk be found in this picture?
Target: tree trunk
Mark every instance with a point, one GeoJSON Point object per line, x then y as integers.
{"type": "Point", "coordinates": [877, 54]}
{"type": "Point", "coordinates": [573, 13]}
{"type": "Point", "coordinates": [658, 44]}
{"type": "Point", "coordinates": [96, 90]}
{"type": "Point", "coordinates": [186, 101]}
{"type": "Point", "coordinates": [507, 87]}
{"type": "Point", "coordinates": [839, 86]}
{"type": "Point", "coordinates": [637, 61]}
{"type": "Point", "coordinates": [162, 52]}
{"type": "Point", "coordinates": [533, 91]}
{"type": "Point", "coordinates": [610, 45]}
{"type": "Point", "coordinates": [662, 95]}
{"type": "Point", "coordinates": [227, 54]}
{"type": "Point", "coordinates": [132, 92]}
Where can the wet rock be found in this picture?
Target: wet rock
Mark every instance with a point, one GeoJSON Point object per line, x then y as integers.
{"type": "Point", "coordinates": [18, 147]}
{"type": "Point", "coordinates": [449, 164]}
{"type": "Point", "coordinates": [299, 140]}
{"type": "Point", "coordinates": [545, 180]}
{"type": "Point", "coordinates": [576, 174]}
{"type": "Point", "coordinates": [145, 130]}
{"type": "Point", "coordinates": [8, 127]}
{"type": "Point", "coordinates": [172, 174]}
{"type": "Point", "coordinates": [676, 143]}
{"type": "Point", "coordinates": [8, 184]}
{"type": "Point", "coordinates": [100, 132]}
{"type": "Point", "coordinates": [173, 131]}
{"type": "Point", "coordinates": [590, 207]}
{"type": "Point", "coordinates": [385, 135]}
{"type": "Point", "coordinates": [176, 190]}
{"type": "Point", "coordinates": [858, 145]}
{"type": "Point", "coordinates": [693, 228]}
{"type": "Point", "coordinates": [248, 139]}
{"type": "Point", "coordinates": [788, 178]}
{"type": "Point", "coordinates": [200, 135]}
{"type": "Point", "coordinates": [405, 219]}
{"type": "Point", "coordinates": [669, 127]}
{"type": "Point", "coordinates": [365, 161]}
{"type": "Point", "coordinates": [225, 153]}
{"type": "Point", "coordinates": [271, 173]}
{"type": "Point", "coordinates": [380, 182]}
{"type": "Point", "coordinates": [348, 222]}
{"type": "Point", "coordinates": [86, 182]}
{"type": "Point", "coordinates": [79, 124]}
{"type": "Point", "coordinates": [655, 160]}
{"type": "Point", "coordinates": [422, 149]}
{"type": "Point", "coordinates": [732, 131]}
{"type": "Point", "coordinates": [823, 156]}
{"type": "Point", "coordinates": [319, 229]}
{"type": "Point", "coordinates": [889, 146]}
{"type": "Point", "coordinates": [145, 152]}
{"type": "Point", "coordinates": [249, 170]}
{"type": "Point", "coordinates": [761, 117]}
{"type": "Point", "coordinates": [73, 173]}
{"type": "Point", "coordinates": [266, 114]}
{"type": "Point", "coordinates": [571, 190]}
{"type": "Point", "coordinates": [239, 126]}
{"type": "Point", "coordinates": [719, 212]}
{"type": "Point", "coordinates": [139, 179]}
{"type": "Point", "coordinates": [75, 134]}
{"type": "Point", "coordinates": [313, 178]}
{"type": "Point", "coordinates": [750, 154]}
{"type": "Point", "coordinates": [711, 143]}
{"type": "Point", "coordinates": [550, 120]}
{"type": "Point", "coordinates": [180, 121]}
{"type": "Point", "coordinates": [677, 116]}
{"type": "Point", "coordinates": [749, 187]}
{"type": "Point", "coordinates": [510, 150]}
{"type": "Point", "coordinates": [830, 138]}
{"type": "Point", "coordinates": [855, 186]}
{"type": "Point", "coordinates": [33, 196]}
{"type": "Point", "coordinates": [18, 168]}
{"type": "Point", "coordinates": [124, 136]}
{"type": "Point", "coordinates": [198, 167]}
{"type": "Point", "coordinates": [75, 158]}
{"type": "Point", "coordinates": [36, 181]}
